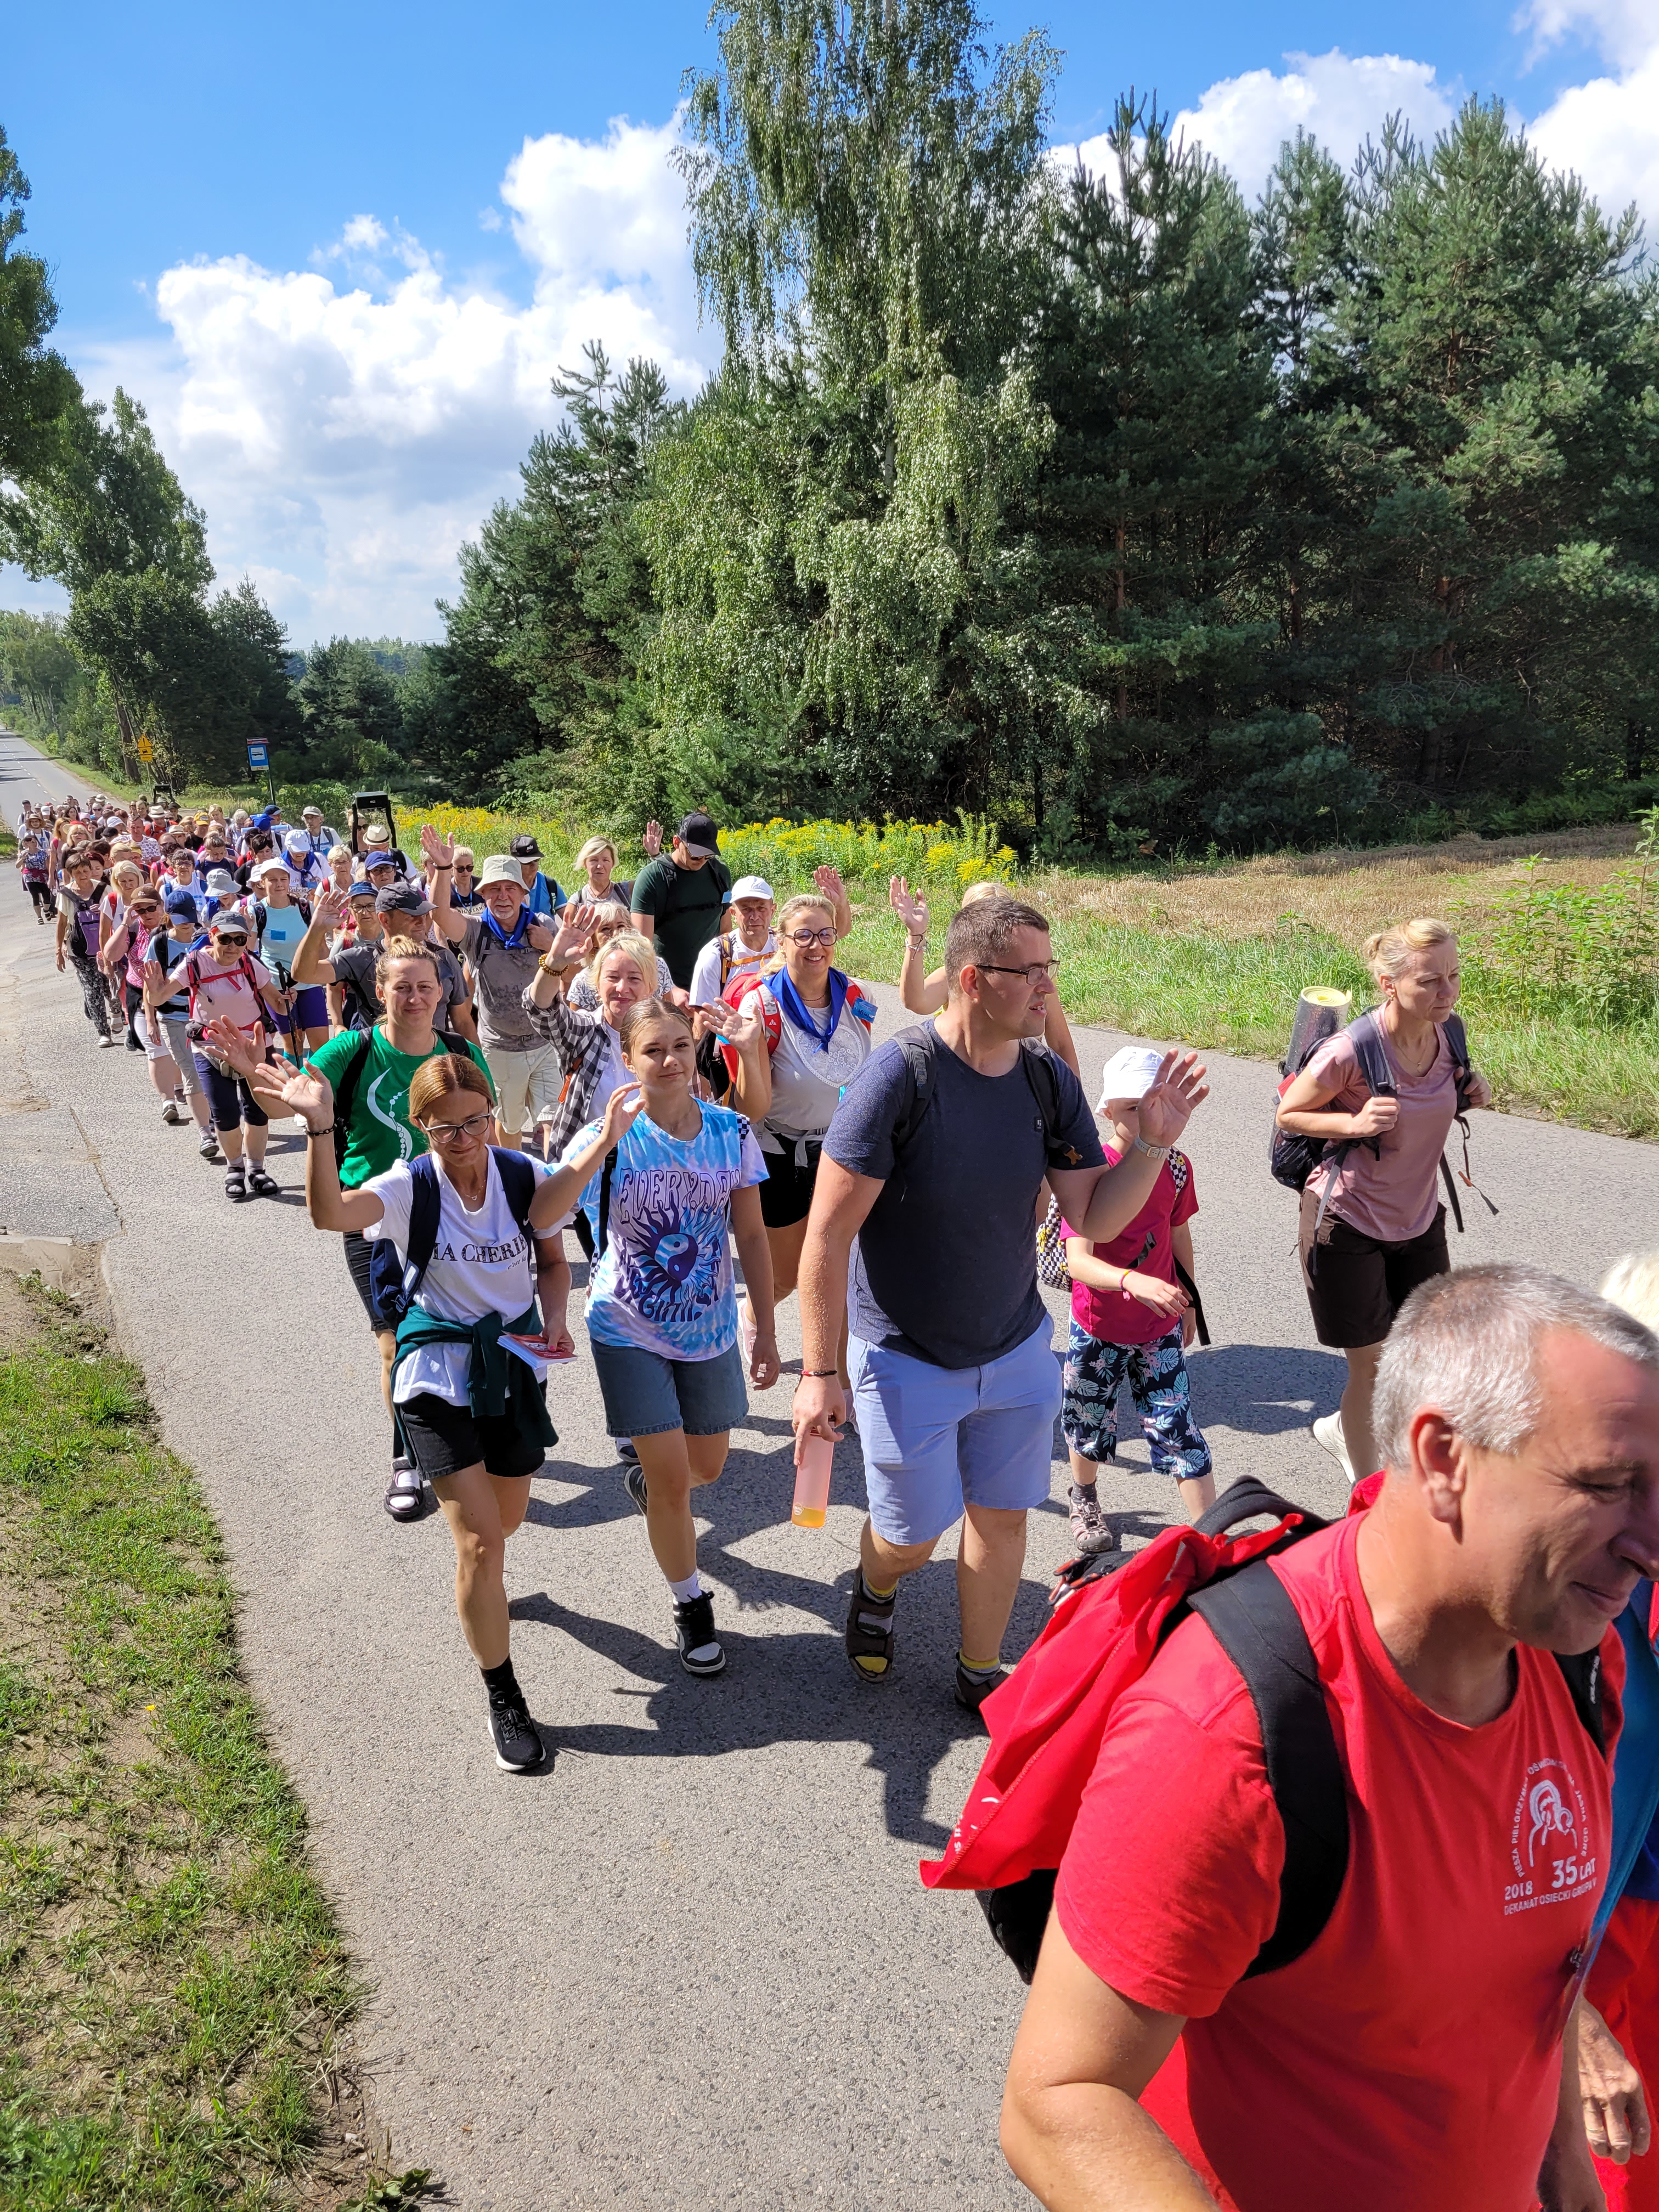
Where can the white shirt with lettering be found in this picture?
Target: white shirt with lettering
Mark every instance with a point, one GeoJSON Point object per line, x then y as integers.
{"type": "Point", "coordinates": [480, 1266]}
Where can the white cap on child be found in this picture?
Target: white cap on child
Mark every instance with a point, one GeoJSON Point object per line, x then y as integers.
{"type": "Point", "coordinates": [1129, 1074]}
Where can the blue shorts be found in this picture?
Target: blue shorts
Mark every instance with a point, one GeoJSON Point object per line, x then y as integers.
{"type": "Point", "coordinates": [646, 1395]}
{"type": "Point", "coordinates": [936, 1439]}
{"type": "Point", "coordinates": [310, 1008]}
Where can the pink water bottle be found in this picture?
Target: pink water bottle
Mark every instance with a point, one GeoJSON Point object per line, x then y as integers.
{"type": "Point", "coordinates": [812, 1483]}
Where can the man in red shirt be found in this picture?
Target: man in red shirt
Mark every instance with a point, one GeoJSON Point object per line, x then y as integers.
{"type": "Point", "coordinates": [1412, 2056]}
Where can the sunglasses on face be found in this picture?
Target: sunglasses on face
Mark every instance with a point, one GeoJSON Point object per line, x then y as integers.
{"type": "Point", "coordinates": [228, 937]}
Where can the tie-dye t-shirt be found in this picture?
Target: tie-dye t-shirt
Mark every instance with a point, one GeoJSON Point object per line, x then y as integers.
{"type": "Point", "coordinates": [663, 1283]}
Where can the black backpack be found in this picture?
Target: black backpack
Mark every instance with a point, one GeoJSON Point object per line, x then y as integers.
{"type": "Point", "coordinates": [1252, 1618]}
{"type": "Point", "coordinates": [1292, 1158]}
{"type": "Point", "coordinates": [392, 1284]}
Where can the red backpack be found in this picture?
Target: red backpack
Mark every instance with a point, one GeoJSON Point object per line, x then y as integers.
{"type": "Point", "coordinates": [1049, 1719]}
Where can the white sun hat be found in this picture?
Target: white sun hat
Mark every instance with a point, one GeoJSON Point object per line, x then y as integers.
{"type": "Point", "coordinates": [1129, 1073]}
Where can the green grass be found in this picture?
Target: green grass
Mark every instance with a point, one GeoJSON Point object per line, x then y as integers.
{"type": "Point", "coordinates": [1236, 993]}
{"type": "Point", "coordinates": [173, 1984]}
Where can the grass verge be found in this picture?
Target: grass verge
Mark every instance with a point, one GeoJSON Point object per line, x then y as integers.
{"type": "Point", "coordinates": [175, 1995]}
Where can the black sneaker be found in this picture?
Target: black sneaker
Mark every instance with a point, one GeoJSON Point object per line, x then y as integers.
{"type": "Point", "coordinates": [625, 1449]}
{"type": "Point", "coordinates": [633, 1484]}
{"type": "Point", "coordinates": [694, 1632]}
{"type": "Point", "coordinates": [518, 1746]}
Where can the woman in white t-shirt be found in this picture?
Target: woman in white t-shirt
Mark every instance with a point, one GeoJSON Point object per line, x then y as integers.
{"type": "Point", "coordinates": [469, 1379]}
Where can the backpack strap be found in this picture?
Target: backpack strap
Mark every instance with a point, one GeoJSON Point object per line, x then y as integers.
{"type": "Point", "coordinates": [345, 1091]}
{"type": "Point", "coordinates": [1255, 1622]}
{"type": "Point", "coordinates": [602, 1235]}
{"type": "Point", "coordinates": [918, 1045]}
{"type": "Point", "coordinates": [518, 1175]}
{"type": "Point", "coordinates": [1582, 1673]}
{"type": "Point", "coordinates": [1042, 1074]}
{"type": "Point", "coordinates": [425, 1208]}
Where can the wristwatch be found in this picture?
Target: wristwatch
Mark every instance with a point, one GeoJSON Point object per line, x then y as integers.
{"type": "Point", "coordinates": [1153, 1152]}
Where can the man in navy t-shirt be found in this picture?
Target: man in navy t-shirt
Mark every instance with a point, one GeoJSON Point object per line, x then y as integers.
{"type": "Point", "coordinates": [922, 1238]}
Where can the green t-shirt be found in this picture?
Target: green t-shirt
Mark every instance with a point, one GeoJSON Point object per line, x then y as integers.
{"type": "Point", "coordinates": [685, 905]}
{"type": "Point", "coordinates": [380, 1133]}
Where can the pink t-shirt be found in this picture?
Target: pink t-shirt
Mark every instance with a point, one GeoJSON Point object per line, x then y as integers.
{"type": "Point", "coordinates": [1145, 1247]}
{"type": "Point", "coordinates": [1390, 1194]}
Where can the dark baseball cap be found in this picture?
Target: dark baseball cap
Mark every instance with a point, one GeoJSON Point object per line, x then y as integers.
{"type": "Point", "coordinates": [699, 836]}
{"type": "Point", "coordinates": [401, 898]}
{"type": "Point", "coordinates": [524, 847]}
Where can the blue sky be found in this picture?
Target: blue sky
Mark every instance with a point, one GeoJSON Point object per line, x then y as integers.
{"type": "Point", "coordinates": [336, 250]}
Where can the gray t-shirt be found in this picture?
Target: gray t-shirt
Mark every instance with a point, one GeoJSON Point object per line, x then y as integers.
{"type": "Point", "coordinates": [503, 973]}
{"type": "Point", "coordinates": [945, 1268]}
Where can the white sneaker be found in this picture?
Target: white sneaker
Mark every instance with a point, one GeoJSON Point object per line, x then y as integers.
{"type": "Point", "coordinates": [1327, 1433]}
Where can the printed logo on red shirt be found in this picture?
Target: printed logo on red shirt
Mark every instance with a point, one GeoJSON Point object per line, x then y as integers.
{"type": "Point", "coordinates": [1549, 1835]}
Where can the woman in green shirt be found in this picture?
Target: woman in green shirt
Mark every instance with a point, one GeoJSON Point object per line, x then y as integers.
{"type": "Point", "coordinates": [369, 1071]}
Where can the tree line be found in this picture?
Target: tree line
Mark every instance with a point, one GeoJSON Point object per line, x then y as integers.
{"type": "Point", "coordinates": [1100, 502]}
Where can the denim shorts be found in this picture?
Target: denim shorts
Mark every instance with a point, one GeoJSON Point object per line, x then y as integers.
{"type": "Point", "coordinates": [646, 1395]}
{"type": "Point", "coordinates": [936, 1439]}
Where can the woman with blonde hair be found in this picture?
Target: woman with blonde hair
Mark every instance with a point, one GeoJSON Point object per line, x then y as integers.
{"type": "Point", "coordinates": [598, 862]}
{"type": "Point", "coordinates": [1372, 1226]}
{"type": "Point", "coordinates": [816, 1023]}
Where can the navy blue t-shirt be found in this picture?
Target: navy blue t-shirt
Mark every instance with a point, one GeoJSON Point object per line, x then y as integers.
{"type": "Point", "coordinates": [945, 1268]}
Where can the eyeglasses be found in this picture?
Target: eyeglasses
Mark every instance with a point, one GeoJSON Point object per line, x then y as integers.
{"type": "Point", "coordinates": [445, 1133]}
{"type": "Point", "coordinates": [810, 936]}
{"type": "Point", "coordinates": [1039, 971]}
{"type": "Point", "coordinates": [224, 937]}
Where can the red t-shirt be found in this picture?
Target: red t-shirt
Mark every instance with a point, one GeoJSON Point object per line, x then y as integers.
{"type": "Point", "coordinates": [1410, 2057]}
{"type": "Point", "coordinates": [1144, 1247]}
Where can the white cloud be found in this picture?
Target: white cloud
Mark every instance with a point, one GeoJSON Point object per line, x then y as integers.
{"type": "Point", "coordinates": [345, 428]}
{"type": "Point", "coordinates": [1604, 130]}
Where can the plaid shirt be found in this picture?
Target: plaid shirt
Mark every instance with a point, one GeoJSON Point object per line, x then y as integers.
{"type": "Point", "coordinates": [582, 1042]}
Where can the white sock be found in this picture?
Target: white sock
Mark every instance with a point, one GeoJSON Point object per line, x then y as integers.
{"type": "Point", "coordinates": [685, 1591]}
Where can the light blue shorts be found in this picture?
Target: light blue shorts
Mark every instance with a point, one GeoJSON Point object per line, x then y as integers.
{"type": "Point", "coordinates": [937, 1438]}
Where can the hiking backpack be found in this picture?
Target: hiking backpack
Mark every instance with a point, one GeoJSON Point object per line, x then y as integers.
{"type": "Point", "coordinates": [1292, 1158]}
{"type": "Point", "coordinates": [393, 1283]}
{"type": "Point", "coordinates": [1049, 1719]}
{"type": "Point", "coordinates": [920, 1044]}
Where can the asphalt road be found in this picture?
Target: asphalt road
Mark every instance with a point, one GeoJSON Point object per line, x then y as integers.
{"type": "Point", "coordinates": [692, 1965]}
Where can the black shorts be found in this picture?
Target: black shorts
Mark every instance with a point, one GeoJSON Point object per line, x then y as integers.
{"type": "Point", "coordinates": [359, 1251]}
{"type": "Point", "coordinates": [444, 1438]}
{"type": "Point", "coordinates": [1360, 1283]}
{"type": "Point", "coordinates": [785, 1196]}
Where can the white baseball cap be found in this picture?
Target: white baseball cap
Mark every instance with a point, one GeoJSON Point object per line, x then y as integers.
{"type": "Point", "coordinates": [752, 887]}
{"type": "Point", "coordinates": [1129, 1073]}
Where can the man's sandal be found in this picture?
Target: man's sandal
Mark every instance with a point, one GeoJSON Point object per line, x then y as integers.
{"type": "Point", "coordinates": [870, 1632]}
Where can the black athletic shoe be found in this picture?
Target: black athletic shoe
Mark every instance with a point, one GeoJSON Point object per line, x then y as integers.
{"type": "Point", "coordinates": [633, 1484]}
{"type": "Point", "coordinates": [694, 1632]}
{"type": "Point", "coordinates": [518, 1746]}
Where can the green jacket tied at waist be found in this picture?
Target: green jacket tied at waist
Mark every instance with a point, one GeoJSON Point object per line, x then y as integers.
{"type": "Point", "coordinates": [498, 1381]}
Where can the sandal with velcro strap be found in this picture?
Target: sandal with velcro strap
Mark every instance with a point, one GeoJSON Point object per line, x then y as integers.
{"type": "Point", "coordinates": [870, 1632]}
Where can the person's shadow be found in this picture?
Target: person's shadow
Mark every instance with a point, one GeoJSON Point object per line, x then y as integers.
{"type": "Point", "coordinates": [794, 1685]}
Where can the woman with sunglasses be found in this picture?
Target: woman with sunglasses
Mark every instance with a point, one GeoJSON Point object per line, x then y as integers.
{"type": "Point", "coordinates": [231, 999]}
{"type": "Point", "coordinates": [137, 950]}
{"type": "Point", "coordinates": [472, 1351]}
{"type": "Point", "coordinates": [816, 1023]}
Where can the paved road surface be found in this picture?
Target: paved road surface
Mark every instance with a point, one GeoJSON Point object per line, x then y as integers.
{"type": "Point", "coordinates": [692, 1966]}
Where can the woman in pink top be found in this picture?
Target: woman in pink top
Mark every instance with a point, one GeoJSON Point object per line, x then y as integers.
{"type": "Point", "coordinates": [1385, 1230]}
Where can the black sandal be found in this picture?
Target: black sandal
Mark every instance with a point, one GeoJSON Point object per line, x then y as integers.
{"type": "Point", "coordinates": [263, 1185]}
{"type": "Point", "coordinates": [236, 1187]}
{"type": "Point", "coordinates": [406, 1497]}
{"type": "Point", "coordinates": [870, 1631]}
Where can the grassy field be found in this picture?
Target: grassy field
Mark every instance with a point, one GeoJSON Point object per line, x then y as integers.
{"type": "Point", "coordinates": [1213, 954]}
{"type": "Point", "coordinates": [175, 1997]}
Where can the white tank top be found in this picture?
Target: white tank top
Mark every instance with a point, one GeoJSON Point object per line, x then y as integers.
{"type": "Point", "coordinates": [806, 1082]}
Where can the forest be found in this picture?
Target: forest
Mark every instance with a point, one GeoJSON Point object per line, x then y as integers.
{"type": "Point", "coordinates": [1100, 505]}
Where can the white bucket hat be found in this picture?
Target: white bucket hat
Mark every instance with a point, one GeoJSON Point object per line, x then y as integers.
{"type": "Point", "coordinates": [1129, 1073]}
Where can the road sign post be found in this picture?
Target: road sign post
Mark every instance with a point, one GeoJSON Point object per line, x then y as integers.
{"type": "Point", "coordinates": [259, 757]}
